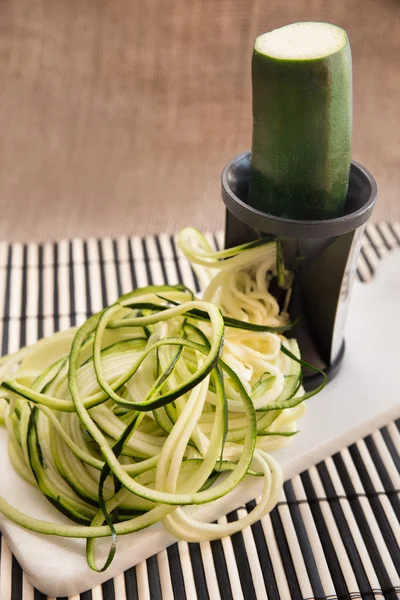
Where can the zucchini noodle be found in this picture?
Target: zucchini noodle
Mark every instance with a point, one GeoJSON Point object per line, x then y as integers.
{"type": "Point", "coordinates": [159, 401]}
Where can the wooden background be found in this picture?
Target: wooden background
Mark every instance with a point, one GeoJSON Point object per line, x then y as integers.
{"type": "Point", "coordinates": [117, 116]}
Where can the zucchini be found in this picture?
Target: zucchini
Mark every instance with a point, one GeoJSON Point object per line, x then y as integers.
{"type": "Point", "coordinates": [302, 121]}
{"type": "Point", "coordinates": [122, 431]}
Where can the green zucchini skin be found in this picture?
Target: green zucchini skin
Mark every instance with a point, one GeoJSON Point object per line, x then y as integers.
{"type": "Point", "coordinates": [302, 130]}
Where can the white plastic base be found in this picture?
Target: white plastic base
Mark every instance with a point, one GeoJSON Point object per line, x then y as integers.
{"type": "Point", "coordinates": [362, 398]}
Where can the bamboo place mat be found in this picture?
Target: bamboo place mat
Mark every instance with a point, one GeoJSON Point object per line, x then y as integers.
{"type": "Point", "coordinates": [335, 531]}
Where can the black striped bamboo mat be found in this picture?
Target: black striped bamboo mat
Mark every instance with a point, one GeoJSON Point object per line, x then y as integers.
{"type": "Point", "coordinates": [335, 534]}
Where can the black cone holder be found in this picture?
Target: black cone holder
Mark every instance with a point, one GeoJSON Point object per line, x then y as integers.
{"type": "Point", "coordinates": [322, 254]}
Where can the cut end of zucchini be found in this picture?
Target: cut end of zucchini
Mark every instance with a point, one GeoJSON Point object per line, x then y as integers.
{"type": "Point", "coordinates": [302, 41]}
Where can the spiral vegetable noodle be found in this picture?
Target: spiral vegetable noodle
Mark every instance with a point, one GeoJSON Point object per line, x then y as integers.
{"type": "Point", "coordinates": [159, 401]}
